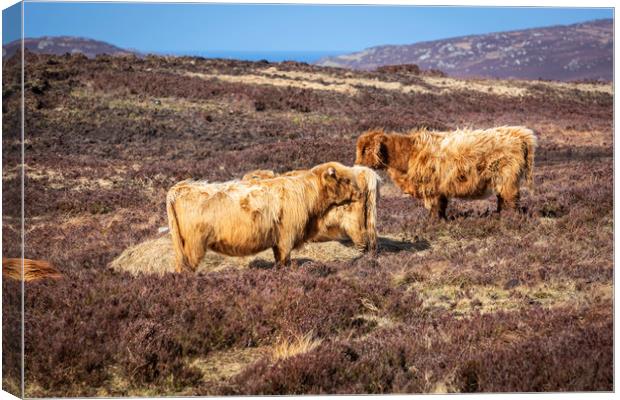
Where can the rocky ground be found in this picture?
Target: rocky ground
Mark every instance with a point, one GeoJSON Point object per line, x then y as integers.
{"type": "Point", "coordinates": [477, 303]}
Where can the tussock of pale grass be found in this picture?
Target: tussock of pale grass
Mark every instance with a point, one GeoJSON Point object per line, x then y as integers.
{"type": "Point", "coordinates": [406, 277]}
{"type": "Point", "coordinates": [299, 344]}
{"type": "Point", "coordinates": [221, 365]}
{"type": "Point", "coordinates": [443, 387]}
{"type": "Point", "coordinates": [369, 305]}
{"type": "Point", "coordinates": [156, 256]}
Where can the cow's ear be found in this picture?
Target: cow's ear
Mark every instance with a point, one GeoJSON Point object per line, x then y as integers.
{"type": "Point", "coordinates": [330, 173]}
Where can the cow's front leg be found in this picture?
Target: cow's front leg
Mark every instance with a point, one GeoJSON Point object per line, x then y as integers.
{"type": "Point", "coordinates": [282, 254]}
{"type": "Point", "coordinates": [437, 207]}
{"type": "Point", "coordinates": [358, 236]}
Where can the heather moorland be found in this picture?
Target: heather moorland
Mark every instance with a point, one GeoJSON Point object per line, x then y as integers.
{"type": "Point", "coordinates": [477, 303]}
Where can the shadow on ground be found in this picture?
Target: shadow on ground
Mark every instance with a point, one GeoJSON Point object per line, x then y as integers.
{"type": "Point", "coordinates": [156, 255]}
{"type": "Point", "coordinates": [390, 245]}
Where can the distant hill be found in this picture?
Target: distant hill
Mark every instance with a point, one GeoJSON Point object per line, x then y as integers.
{"type": "Point", "coordinates": [566, 52]}
{"type": "Point", "coordinates": [59, 45]}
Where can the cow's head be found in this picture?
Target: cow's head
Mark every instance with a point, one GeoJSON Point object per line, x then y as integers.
{"type": "Point", "coordinates": [372, 150]}
{"type": "Point", "coordinates": [338, 183]}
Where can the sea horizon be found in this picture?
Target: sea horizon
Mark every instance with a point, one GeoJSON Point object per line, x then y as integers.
{"type": "Point", "coordinates": [271, 56]}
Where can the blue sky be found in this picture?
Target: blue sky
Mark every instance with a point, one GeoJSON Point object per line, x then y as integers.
{"type": "Point", "coordinates": [11, 23]}
{"type": "Point", "coordinates": [204, 27]}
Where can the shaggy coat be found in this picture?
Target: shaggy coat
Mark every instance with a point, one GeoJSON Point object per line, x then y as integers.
{"type": "Point", "coordinates": [240, 218]}
{"type": "Point", "coordinates": [355, 221]}
{"type": "Point", "coordinates": [259, 174]}
{"type": "Point", "coordinates": [434, 166]}
{"type": "Point", "coordinates": [33, 269]}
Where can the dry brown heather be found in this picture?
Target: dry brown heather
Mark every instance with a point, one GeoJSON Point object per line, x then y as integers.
{"type": "Point", "coordinates": [477, 303]}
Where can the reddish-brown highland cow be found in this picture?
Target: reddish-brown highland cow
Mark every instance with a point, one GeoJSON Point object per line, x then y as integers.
{"type": "Point", "coordinates": [356, 221]}
{"type": "Point", "coordinates": [240, 218]}
{"type": "Point", "coordinates": [33, 269]}
{"type": "Point", "coordinates": [434, 166]}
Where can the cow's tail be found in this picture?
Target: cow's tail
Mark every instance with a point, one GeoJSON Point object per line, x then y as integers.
{"type": "Point", "coordinates": [529, 150]}
{"type": "Point", "coordinates": [173, 224]}
{"type": "Point", "coordinates": [371, 196]}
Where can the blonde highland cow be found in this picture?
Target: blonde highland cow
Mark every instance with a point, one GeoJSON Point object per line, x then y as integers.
{"type": "Point", "coordinates": [356, 221]}
{"type": "Point", "coordinates": [471, 164]}
{"type": "Point", "coordinates": [240, 218]}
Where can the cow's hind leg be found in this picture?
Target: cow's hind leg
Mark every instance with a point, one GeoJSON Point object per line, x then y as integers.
{"type": "Point", "coordinates": [180, 265]}
{"type": "Point", "coordinates": [195, 252]}
{"type": "Point", "coordinates": [180, 260]}
{"type": "Point", "coordinates": [508, 198]}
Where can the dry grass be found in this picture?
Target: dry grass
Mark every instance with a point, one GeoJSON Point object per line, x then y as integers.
{"type": "Point", "coordinates": [463, 300]}
{"type": "Point", "coordinates": [57, 179]}
{"type": "Point", "coordinates": [349, 86]}
{"type": "Point", "coordinates": [251, 79]}
{"type": "Point", "coordinates": [440, 84]}
{"type": "Point", "coordinates": [323, 81]}
{"type": "Point", "coordinates": [12, 386]}
{"type": "Point", "coordinates": [222, 365]}
{"type": "Point", "coordinates": [140, 104]}
{"type": "Point", "coordinates": [299, 344]}
{"type": "Point", "coordinates": [583, 87]}
{"type": "Point", "coordinates": [156, 256]}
